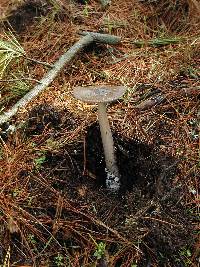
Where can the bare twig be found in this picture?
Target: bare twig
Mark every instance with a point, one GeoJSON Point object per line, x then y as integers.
{"type": "Point", "coordinates": [149, 103]}
{"type": "Point", "coordinates": [102, 37]}
{"type": "Point", "coordinates": [20, 79]}
{"type": "Point", "coordinates": [162, 221]}
{"type": "Point", "coordinates": [39, 62]}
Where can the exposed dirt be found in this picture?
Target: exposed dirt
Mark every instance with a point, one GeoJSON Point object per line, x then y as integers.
{"type": "Point", "coordinates": [26, 14]}
{"type": "Point", "coordinates": [148, 207]}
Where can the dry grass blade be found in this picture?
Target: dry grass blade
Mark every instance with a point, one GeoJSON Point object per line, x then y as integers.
{"type": "Point", "coordinates": [10, 49]}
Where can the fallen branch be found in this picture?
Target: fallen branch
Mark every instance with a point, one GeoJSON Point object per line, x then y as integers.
{"type": "Point", "coordinates": [103, 38]}
{"type": "Point", "coordinates": [154, 101]}
{"type": "Point", "coordinates": [149, 103]}
{"type": "Point", "coordinates": [88, 37]}
{"type": "Point", "coordinates": [39, 62]}
{"type": "Point", "coordinates": [19, 79]}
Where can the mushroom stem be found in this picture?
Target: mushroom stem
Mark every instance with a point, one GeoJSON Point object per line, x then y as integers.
{"type": "Point", "coordinates": [103, 94]}
{"type": "Point", "coordinates": [107, 140]}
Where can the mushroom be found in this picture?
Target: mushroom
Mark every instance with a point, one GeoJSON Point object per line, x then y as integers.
{"type": "Point", "coordinates": [103, 94]}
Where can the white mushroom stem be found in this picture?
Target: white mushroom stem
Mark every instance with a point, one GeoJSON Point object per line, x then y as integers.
{"type": "Point", "coordinates": [107, 140]}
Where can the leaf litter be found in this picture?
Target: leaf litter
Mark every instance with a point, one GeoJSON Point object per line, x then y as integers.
{"type": "Point", "coordinates": [55, 208]}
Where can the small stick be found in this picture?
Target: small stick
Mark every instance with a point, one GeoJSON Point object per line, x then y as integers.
{"type": "Point", "coordinates": [84, 158]}
{"type": "Point", "coordinates": [39, 62]}
{"type": "Point", "coordinates": [103, 37]}
{"type": "Point", "coordinates": [149, 103]}
{"type": "Point", "coordinates": [20, 79]}
{"type": "Point", "coordinates": [161, 221]}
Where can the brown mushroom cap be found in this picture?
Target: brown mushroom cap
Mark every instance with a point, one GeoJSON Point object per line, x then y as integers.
{"type": "Point", "coordinates": [98, 93]}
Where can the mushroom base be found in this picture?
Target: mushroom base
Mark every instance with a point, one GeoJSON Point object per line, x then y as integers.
{"type": "Point", "coordinates": [112, 181]}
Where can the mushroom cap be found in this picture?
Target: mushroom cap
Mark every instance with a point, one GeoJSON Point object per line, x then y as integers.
{"type": "Point", "coordinates": [98, 93]}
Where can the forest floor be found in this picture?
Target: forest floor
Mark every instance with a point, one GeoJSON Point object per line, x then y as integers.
{"type": "Point", "coordinates": [55, 209]}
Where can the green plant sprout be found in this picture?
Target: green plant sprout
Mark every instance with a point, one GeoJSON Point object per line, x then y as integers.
{"type": "Point", "coordinates": [31, 239]}
{"type": "Point", "coordinates": [59, 260]}
{"type": "Point", "coordinates": [16, 192]}
{"type": "Point", "coordinates": [85, 10]}
{"type": "Point", "coordinates": [186, 254]}
{"type": "Point", "coordinates": [40, 160]}
{"type": "Point", "coordinates": [100, 250]}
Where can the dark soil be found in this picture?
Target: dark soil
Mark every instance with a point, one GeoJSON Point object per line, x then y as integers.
{"type": "Point", "coordinates": [41, 116]}
{"type": "Point", "coordinates": [24, 15]}
{"type": "Point", "coordinates": [148, 208]}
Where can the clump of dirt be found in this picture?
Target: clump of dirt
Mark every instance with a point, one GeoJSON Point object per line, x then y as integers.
{"type": "Point", "coordinates": [25, 14]}
{"type": "Point", "coordinates": [46, 116]}
{"type": "Point", "coordinates": [41, 116]}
